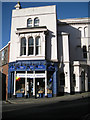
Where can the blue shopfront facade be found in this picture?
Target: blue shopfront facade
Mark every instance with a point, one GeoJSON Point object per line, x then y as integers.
{"type": "Point", "coordinates": [37, 78]}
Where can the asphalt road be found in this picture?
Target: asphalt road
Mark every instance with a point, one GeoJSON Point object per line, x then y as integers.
{"type": "Point", "coordinates": [61, 110]}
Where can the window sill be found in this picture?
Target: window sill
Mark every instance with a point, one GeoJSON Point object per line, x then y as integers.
{"type": "Point", "coordinates": [31, 56]}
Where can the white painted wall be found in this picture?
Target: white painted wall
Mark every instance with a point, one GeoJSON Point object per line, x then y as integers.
{"type": "Point", "coordinates": [65, 44]}
{"type": "Point", "coordinates": [47, 17]}
{"type": "Point", "coordinates": [77, 39]}
{"type": "Point", "coordinates": [69, 48]}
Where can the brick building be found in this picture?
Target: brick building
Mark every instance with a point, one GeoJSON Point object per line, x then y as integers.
{"type": "Point", "coordinates": [4, 60]}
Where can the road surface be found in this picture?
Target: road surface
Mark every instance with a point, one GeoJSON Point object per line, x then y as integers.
{"type": "Point", "coordinates": [59, 110]}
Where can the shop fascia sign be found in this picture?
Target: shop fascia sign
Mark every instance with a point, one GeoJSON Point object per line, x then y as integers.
{"type": "Point", "coordinates": [40, 67]}
{"type": "Point", "coordinates": [21, 75]}
{"type": "Point", "coordinates": [37, 67]}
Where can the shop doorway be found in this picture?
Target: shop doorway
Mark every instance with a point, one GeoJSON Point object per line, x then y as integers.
{"type": "Point", "coordinates": [39, 87]}
{"type": "Point", "coordinates": [83, 81]}
{"type": "Point", "coordinates": [50, 83]}
{"type": "Point", "coordinates": [30, 87]}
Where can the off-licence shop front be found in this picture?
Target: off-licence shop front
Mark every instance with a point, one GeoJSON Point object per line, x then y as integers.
{"type": "Point", "coordinates": [32, 79]}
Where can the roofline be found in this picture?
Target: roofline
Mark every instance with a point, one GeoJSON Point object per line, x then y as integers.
{"type": "Point", "coordinates": [85, 20]}
{"type": "Point", "coordinates": [35, 7]}
{"type": "Point", "coordinates": [5, 46]}
{"type": "Point", "coordinates": [75, 18]}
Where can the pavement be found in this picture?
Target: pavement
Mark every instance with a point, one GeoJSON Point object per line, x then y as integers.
{"type": "Point", "coordinates": [46, 100]}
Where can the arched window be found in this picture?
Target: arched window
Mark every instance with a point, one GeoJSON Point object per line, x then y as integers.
{"type": "Point", "coordinates": [80, 29]}
{"type": "Point", "coordinates": [36, 22]}
{"type": "Point", "coordinates": [86, 32]}
{"type": "Point", "coordinates": [37, 45]}
{"type": "Point", "coordinates": [29, 22]}
{"type": "Point", "coordinates": [23, 46]}
{"type": "Point", "coordinates": [30, 46]}
{"type": "Point", "coordinates": [84, 51]}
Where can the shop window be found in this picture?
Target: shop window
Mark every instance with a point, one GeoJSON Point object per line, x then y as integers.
{"type": "Point", "coordinates": [30, 46]}
{"type": "Point", "coordinates": [84, 51]}
{"type": "Point", "coordinates": [36, 22]}
{"type": "Point", "coordinates": [49, 86]}
{"type": "Point", "coordinates": [62, 79]}
{"type": "Point", "coordinates": [40, 86]}
{"type": "Point", "coordinates": [30, 87]}
{"type": "Point", "coordinates": [23, 46]}
{"type": "Point", "coordinates": [37, 45]}
{"type": "Point", "coordinates": [20, 85]}
{"type": "Point", "coordinates": [29, 22]}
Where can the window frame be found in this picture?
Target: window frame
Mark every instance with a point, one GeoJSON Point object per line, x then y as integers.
{"type": "Point", "coordinates": [39, 46]}
{"type": "Point", "coordinates": [81, 31]}
{"type": "Point", "coordinates": [84, 51]}
{"type": "Point", "coordinates": [86, 31]}
{"type": "Point", "coordinates": [31, 46]}
{"type": "Point", "coordinates": [23, 47]}
{"type": "Point", "coordinates": [29, 25]}
{"type": "Point", "coordinates": [36, 22]}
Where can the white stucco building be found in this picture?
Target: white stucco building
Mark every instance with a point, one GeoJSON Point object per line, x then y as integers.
{"type": "Point", "coordinates": [48, 57]}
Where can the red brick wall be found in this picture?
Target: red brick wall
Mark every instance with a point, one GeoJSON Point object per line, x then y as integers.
{"type": "Point", "coordinates": [5, 71]}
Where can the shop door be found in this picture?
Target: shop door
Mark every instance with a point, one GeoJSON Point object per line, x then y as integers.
{"type": "Point", "coordinates": [83, 81]}
{"type": "Point", "coordinates": [39, 87]}
{"type": "Point", "coordinates": [30, 87]}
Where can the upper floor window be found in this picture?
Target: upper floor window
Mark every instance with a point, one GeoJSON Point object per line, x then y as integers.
{"type": "Point", "coordinates": [29, 22]}
{"type": "Point", "coordinates": [3, 55]}
{"type": "Point", "coordinates": [30, 46]}
{"type": "Point", "coordinates": [86, 32]}
{"type": "Point", "coordinates": [36, 22]}
{"type": "Point", "coordinates": [80, 29]}
{"type": "Point", "coordinates": [23, 46]}
{"type": "Point", "coordinates": [37, 45]}
{"type": "Point", "coordinates": [84, 51]}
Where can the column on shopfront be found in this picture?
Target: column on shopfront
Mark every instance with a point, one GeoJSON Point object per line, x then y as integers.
{"type": "Point", "coordinates": [77, 76]}
{"type": "Point", "coordinates": [45, 83]}
{"type": "Point", "coordinates": [9, 84]}
{"type": "Point", "coordinates": [34, 83]}
{"type": "Point", "coordinates": [55, 80]}
{"type": "Point", "coordinates": [86, 81]}
{"type": "Point", "coordinates": [14, 94]}
{"type": "Point", "coordinates": [66, 61]}
{"type": "Point", "coordinates": [26, 84]}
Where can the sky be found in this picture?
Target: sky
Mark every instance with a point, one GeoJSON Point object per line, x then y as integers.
{"type": "Point", "coordinates": [64, 10]}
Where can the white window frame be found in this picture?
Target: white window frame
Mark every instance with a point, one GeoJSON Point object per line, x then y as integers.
{"type": "Point", "coordinates": [39, 46]}
{"type": "Point", "coordinates": [29, 24]}
{"type": "Point", "coordinates": [31, 46]}
{"type": "Point", "coordinates": [36, 22]}
{"type": "Point", "coordinates": [21, 46]}
{"type": "Point", "coordinates": [85, 31]}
